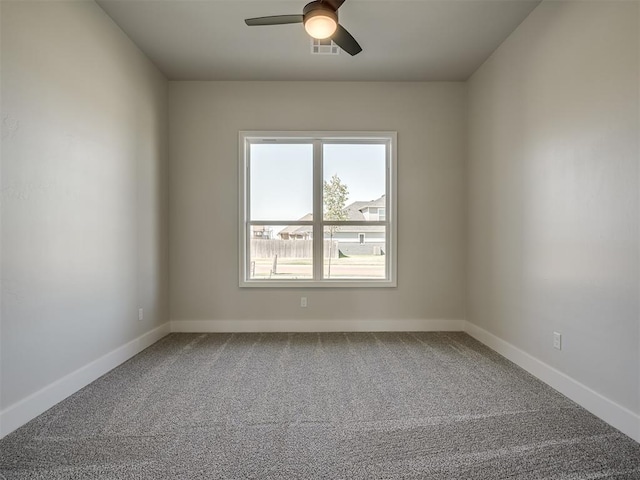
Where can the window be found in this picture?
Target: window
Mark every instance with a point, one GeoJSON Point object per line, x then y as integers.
{"type": "Point", "coordinates": [307, 203]}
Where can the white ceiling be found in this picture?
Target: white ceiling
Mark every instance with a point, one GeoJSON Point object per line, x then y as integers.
{"type": "Point", "coordinates": [402, 40]}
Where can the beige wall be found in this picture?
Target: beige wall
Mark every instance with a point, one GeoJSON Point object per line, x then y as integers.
{"type": "Point", "coordinates": [84, 192]}
{"type": "Point", "coordinates": [205, 118]}
{"type": "Point", "coordinates": [553, 193]}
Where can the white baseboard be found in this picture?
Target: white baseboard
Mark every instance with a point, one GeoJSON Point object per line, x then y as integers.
{"type": "Point", "coordinates": [421, 325]}
{"type": "Point", "coordinates": [616, 415]}
{"type": "Point", "coordinates": [30, 407]}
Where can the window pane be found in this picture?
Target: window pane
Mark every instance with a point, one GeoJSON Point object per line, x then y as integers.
{"type": "Point", "coordinates": [280, 252]}
{"type": "Point", "coordinates": [354, 252]}
{"type": "Point", "coordinates": [281, 182]}
{"type": "Point", "coordinates": [354, 182]}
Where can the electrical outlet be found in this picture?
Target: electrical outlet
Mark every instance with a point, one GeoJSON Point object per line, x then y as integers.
{"type": "Point", "coordinates": [557, 341]}
{"type": "Point", "coordinates": [140, 314]}
{"type": "Point", "coordinates": [303, 302]}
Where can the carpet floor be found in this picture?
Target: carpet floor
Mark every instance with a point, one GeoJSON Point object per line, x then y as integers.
{"type": "Point", "coordinates": [312, 406]}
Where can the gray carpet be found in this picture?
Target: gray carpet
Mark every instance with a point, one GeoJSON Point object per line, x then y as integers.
{"type": "Point", "coordinates": [307, 406]}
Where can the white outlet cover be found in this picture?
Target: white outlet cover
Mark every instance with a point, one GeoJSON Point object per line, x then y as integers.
{"type": "Point", "coordinates": [557, 340]}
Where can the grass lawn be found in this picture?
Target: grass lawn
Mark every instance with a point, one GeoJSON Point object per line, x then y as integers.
{"type": "Point", "coordinates": [356, 266]}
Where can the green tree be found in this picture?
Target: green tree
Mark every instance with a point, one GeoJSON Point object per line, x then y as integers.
{"type": "Point", "coordinates": [335, 194]}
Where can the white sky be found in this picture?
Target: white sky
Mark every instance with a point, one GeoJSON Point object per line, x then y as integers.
{"type": "Point", "coordinates": [282, 176]}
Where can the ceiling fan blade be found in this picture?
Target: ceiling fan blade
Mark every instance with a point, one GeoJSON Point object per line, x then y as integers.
{"type": "Point", "coordinates": [335, 4]}
{"type": "Point", "coordinates": [345, 41]}
{"type": "Point", "coordinates": [274, 20]}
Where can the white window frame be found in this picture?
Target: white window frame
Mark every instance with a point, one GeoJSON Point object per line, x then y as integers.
{"type": "Point", "coordinates": [389, 139]}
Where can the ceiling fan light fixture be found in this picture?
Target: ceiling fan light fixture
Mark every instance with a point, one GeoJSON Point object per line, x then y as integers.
{"type": "Point", "coordinates": [320, 23]}
{"type": "Point", "coordinates": [320, 19]}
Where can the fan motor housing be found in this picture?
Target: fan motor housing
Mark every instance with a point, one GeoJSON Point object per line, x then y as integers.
{"type": "Point", "coordinates": [315, 8]}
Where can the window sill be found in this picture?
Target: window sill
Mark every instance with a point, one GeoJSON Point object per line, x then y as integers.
{"type": "Point", "coordinates": [382, 283]}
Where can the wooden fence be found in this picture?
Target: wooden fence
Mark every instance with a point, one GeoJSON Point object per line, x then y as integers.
{"type": "Point", "coordinates": [289, 248]}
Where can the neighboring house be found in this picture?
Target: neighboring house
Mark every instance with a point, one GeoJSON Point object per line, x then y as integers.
{"type": "Point", "coordinates": [262, 232]}
{"type": "Point", "coordinates": [352, 240]}
{"type": "Point", "coordinates": [373, 210]}
{"type": "Point", "coordinates": [297, 232]}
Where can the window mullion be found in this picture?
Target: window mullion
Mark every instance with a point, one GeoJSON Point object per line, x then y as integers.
{"type": "Point", "coordinates": [318, 234]}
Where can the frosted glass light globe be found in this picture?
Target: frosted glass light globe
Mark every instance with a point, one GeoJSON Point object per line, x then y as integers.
{"type": "Point", "coordinates": [320, 26]}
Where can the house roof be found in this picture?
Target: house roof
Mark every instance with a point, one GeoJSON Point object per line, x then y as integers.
{"type": "Point", "coordinates": [378, 202]}
{"type": "Point", "coordinates": [293, 229]}
{"type": "Point", "coordinates": [356, 208]}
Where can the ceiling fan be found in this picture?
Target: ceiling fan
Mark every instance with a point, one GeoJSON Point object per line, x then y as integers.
{"type": "Point", "coordinates": [320, 19]}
